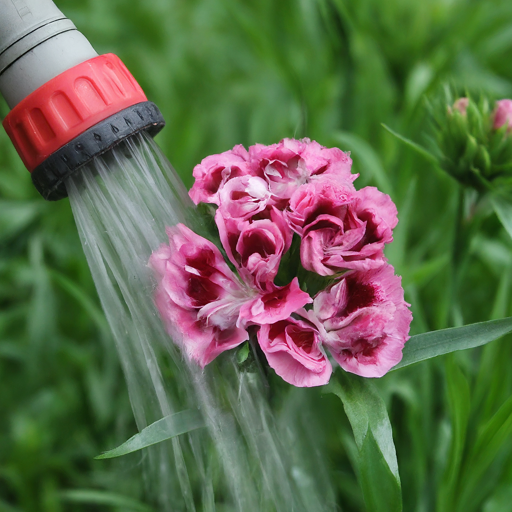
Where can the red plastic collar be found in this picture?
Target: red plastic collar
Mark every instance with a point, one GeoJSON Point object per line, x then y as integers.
{"type": "Point", "coordinates": [69, 104]}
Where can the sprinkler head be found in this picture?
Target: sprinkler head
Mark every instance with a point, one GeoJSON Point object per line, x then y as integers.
{"type": "Point", "coordinates": [68, 104]}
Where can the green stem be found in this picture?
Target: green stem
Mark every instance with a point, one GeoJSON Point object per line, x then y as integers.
{"type": "Point", "coordinates": [458, 253]}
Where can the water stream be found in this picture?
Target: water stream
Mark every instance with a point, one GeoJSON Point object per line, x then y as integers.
{"type": "Point", "coordinates": [248, 458]}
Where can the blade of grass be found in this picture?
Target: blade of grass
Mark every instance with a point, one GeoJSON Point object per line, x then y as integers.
{"type": "Point", "coordinates": [166, 428]}
{"type": "Point", "coordinates": [93, 497]}
{"type": "Point", "coordinates": [436, 343]}
{"type": "Point", "coordinates": [416, 147]}
{"type": "Point", "coordinates": [488, 387]}
{"type": "Point", "coordinates": [503, 209]}
{"type": "Point", "coordinates": [490, 441]}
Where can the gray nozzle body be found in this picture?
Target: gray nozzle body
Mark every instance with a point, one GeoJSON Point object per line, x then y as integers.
{"type": "Point", "coordinates": [37, 43]}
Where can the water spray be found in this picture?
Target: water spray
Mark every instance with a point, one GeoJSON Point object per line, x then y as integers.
{"type": "Point", "coordinates": [83, 128]}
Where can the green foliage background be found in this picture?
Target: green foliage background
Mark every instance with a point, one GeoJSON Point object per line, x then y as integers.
{"type": "Point", "coordinates": [226, 72]}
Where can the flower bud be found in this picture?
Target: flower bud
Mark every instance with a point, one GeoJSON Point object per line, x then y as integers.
{"type": "Point", "coordinates": [470, 146]}
{"type": "Point", "coordinates": [503, 114]}
{"type": "Point", "coordinates": [461, 105]}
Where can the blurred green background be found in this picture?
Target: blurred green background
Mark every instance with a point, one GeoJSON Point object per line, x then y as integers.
{"type": "Point", "coordinates": [225, 72]}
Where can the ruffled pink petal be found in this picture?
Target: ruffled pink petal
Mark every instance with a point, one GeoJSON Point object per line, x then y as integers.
{"type": "Point", "coordinates": [260, 246]}
{"type": "Point", "coordinates": [242, 198]}
{"type": "Point", "coordinates": [291, 163]}
{"type": "Point", "coordinates": [377, 205]}
{"type": "Point", "coordinates": [278, 303]}
{"type": "Point", "coordinates": [325, 243]}
{"type": "Point", "coordinates": [366, 348]}
{"type": "Point", "coordinates": [229, 233]}
{"type": "Point", "coordinates": [198, 296]}
{"type": "Point", "coordinates": [328, 161]}
{"type": "Point", "coordinates": [322, 197]}
{"type": "Point", "coordinates": [214, 171]}
{"type": "Point", "coordinates": [222, 340]}
{"type": "Point", "coordinates": [292, 349]}
{"type": "Point", "coordinates": [337, 237]}
{"type": "Point", "coordinates": [365, 320]}
{"type": "Point", "coordinates": [255, 247]}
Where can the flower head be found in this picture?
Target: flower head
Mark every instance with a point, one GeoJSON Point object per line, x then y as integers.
{"type": "Point", "coordinates": [198, 296]}
{"type": "Point", "coordinates": [365, 321]}
{"type": "Point", "coordinates": [293, 349]}
{"type": "Point", "coordinates": [291, 163]}
{"type": "Point", "coordinates": [286, 211]}
{"type": "Point", "coordinates": [214, 171]}
{"type": "Point", "coordinates": [345, 230]}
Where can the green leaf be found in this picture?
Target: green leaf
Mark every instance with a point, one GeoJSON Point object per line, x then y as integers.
{"type": "Point", "coordinates": [93, 497]}
{"type": "Point", "coordinates": [436, 343]}
{"type": "Point", "coordinates": [501, 299]}
{"type": "Point", "coordinates": [416, 147]}
{"type": "Point", "coordinates": [381, 489]}
{"type": "Point", "coordinates": [243, 353]}
{"type": "Point", "coordinates": [459, 404]}
{"type": "Point", "coordinates": [492, 436]}
{"type": "Point", "coordinates": [503, 208]}
{"type": "Point", "coordinates": [166, 428]}
{"type": "Point", "coordinates": [490, 443]}
{"type": "Point", "coordinates": [378, 467]}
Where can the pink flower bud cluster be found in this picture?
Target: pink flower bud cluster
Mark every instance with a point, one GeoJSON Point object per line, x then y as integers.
{"type": "Point", "coordinates": [264, 197]}
{"type": "Point", "coordinates": [501, 116]}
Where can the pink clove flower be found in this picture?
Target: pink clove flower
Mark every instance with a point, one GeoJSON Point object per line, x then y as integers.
{"type": "Point", "coordinates": [364, 321]}
{"type": "Point", "coordinates": [292, 349]}
{"type": "Point", "coordinates": [198, 296]}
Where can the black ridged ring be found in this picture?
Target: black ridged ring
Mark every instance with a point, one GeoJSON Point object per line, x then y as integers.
{"type": "Point", "coordinates": [49, 177]}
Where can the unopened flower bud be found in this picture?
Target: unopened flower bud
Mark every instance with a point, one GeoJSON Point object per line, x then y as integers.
{"type": "Point", "coordinates": [503, 114]}
{"type": "Point", "coordinates": [470, 145]}
{"type": "Point", "coordinates": [461, 105]}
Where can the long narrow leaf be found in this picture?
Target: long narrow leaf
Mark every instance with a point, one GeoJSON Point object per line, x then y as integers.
{"type": "Point", "coordinates": [94, 497]}
{"type": "Point", "coordinates": [490, 441]}
{"type": "Point", "coordinates": [378, 466]}
{"type": "Point", "coordinates": [459, 404]}
{"type": "Point", "coordinates": [166, 428]}
{"type": "Point", "coordinates": [381, 488]}
{"type": "Point", "coordinates": [419, 149]}
{"type": "Point", "coordinates": [503, 209]}
{"type": "Point", "coordinates": [436, 343]}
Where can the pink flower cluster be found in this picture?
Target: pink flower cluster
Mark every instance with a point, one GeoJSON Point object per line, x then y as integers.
{"type": "Point", "coordinates": [265, 196]}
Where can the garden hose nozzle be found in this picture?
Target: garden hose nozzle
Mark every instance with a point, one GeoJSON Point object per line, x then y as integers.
{"type": "Point", "coordinates": [68, 103]}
